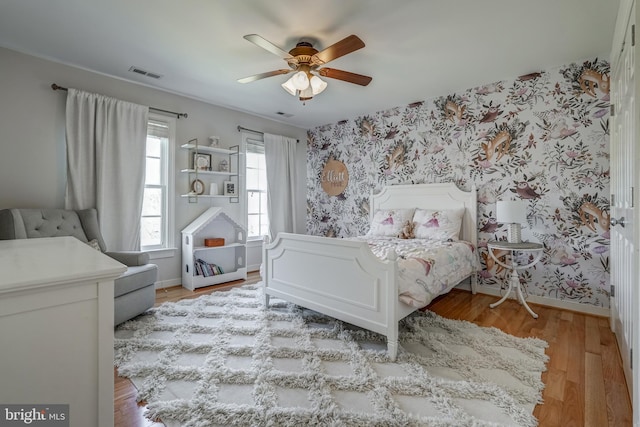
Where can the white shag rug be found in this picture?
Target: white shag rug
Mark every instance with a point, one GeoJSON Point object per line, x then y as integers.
{"type": "Point", "coordinates": [223, 360]}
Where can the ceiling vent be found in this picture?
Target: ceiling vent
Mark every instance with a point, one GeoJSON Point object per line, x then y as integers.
{"type": "Point", "coordinates": [145, 73]}
{"type": "Point", "coordinates": [287, 115]}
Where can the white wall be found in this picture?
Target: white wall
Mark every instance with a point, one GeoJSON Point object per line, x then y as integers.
{"type": "Point", "coordinates": [32, 145]}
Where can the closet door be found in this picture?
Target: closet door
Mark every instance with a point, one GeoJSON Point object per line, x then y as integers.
{"type": "Point", "coordinates": [625, 301]}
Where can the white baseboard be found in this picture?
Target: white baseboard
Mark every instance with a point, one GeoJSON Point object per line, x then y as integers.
{"type": "Point", "coordinates": [547, 302]}
{"type": "Point", "coordinates": [168, 283]}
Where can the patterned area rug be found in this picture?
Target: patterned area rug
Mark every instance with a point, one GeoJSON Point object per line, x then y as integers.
{"type": "Point", "coordinates": [222, 359]}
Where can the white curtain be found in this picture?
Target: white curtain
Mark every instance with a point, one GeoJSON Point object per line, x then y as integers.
{"type": "Point", "coordinates": [106, 146]}
{"type": "Point", "coordinates": [280, 159]}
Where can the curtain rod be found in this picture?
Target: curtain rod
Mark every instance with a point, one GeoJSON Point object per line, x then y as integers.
{"type": "Point", "coordinates": [240, 129]}
{"type": "Point", "coordinates": [178, 115]}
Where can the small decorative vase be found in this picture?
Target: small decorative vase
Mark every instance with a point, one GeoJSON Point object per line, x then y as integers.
{"type": "Point", "coordinates": [223, 166]}
{"type": "Point", "coordinates": [214, 141]}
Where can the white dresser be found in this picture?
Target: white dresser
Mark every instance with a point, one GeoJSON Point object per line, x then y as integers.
{"type": "Point", "coordinates": [56, 327]}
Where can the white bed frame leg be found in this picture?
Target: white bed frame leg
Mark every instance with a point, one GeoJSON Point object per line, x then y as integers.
{"type": "Point", "coordinates": [392, 349]}
{"type": "Point", "coordinates": [392, 315]}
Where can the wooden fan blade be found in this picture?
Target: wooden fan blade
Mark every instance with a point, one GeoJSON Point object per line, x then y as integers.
{"type": "Point", "coordinates": [346, 76]}
{"type": "Point", "coordinates": [263, 76]}
{"type": "Point", "coordinates": [343, 47]}
{"type": "Point", "coordinates": [267, 45]}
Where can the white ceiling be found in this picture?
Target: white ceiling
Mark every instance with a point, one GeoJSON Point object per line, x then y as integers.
{"type": "Point", "coordinates": [415, 49]}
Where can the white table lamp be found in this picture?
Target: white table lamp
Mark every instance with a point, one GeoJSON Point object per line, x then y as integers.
{"type": "Point", "coordinates": [513, 213]}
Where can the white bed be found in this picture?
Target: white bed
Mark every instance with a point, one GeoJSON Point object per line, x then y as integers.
{"type": "Point", "coordinates": [342, 278]}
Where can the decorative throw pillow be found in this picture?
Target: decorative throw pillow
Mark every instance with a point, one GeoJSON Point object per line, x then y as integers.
{"type": "Point", "coordinates": [389, 222]}
{"type": "Point", "coordinates": [443, 224]}
{"type": "Point", "coordinates": [94, 244]}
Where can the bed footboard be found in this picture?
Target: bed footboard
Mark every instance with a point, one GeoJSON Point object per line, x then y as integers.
{"type": "Point", "coordinates": [338, 278]}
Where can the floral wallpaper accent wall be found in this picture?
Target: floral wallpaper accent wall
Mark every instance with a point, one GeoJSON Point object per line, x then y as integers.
{"type": "Point", "coordinates": [542, 138]}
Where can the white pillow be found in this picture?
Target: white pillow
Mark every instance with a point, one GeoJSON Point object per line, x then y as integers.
{"type": "Point", "coordinates": [442, 224]}
{"type": "Point", "coordinates": [389, 222]}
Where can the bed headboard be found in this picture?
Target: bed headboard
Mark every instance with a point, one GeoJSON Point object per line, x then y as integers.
{"type": "Point", "coordinates": [431, 196]}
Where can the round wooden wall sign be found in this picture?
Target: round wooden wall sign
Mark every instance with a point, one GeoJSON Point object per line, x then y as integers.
{"type": "Point", "coordinates": [335, 177]}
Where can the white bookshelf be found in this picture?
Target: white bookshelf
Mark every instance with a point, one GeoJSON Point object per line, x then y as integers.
{"type": "Point", "coordinates": [231, 257]}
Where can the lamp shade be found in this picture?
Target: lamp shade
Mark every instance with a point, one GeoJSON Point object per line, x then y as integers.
{"type": "Point", "coordinates": [306, 94]}
{"type": "Point", "coordinates": [511, 212]}
{"type": "Point", "coordinates": [317, 85]}
{"type": "Point", "coordinates": [300, 80]}
{"type": "Point", "coordinates": [289, 87]}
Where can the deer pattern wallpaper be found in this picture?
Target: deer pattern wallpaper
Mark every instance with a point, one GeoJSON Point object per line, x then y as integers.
{"type": "Point", "coordinates": [542, 138]}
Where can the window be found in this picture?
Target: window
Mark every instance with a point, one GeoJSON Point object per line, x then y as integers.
{"type": "Point", "coordinates": [256, 182]}
{"type": "Point", "coordinates": [155, 222]}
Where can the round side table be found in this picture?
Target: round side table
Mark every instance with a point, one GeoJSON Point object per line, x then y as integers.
{"type": "Point", "coordinates": [514, 281]}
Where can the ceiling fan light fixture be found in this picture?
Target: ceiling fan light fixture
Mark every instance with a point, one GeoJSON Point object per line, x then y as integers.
{"type": "Point", "coordinates": [304, 60]}
{"type": "Point", "coordinates": [317, 85]}
{"type": "Point", "coordinates": [300, 80]}
{"type": "Point", "coordinates": [289, 87]}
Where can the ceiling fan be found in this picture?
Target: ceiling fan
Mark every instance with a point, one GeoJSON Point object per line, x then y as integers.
{"type": "Point", "coordinates": [306, 61]}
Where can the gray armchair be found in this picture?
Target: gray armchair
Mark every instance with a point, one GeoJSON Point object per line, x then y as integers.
{"type": "Point", "coordinates": [134, 291]}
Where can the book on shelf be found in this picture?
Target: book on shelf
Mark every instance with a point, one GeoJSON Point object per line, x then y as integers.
{"type": "Point", "coordinates": [206, 269]}
{"type": "Point", "coordinates": [198, 268]}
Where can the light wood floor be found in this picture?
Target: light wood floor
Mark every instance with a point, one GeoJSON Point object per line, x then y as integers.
{"type": "Point", "coordinates": [584, 382]}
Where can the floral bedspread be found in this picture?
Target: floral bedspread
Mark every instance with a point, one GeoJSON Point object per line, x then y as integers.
{"type": "Point", "coordinates": [426, 268]}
